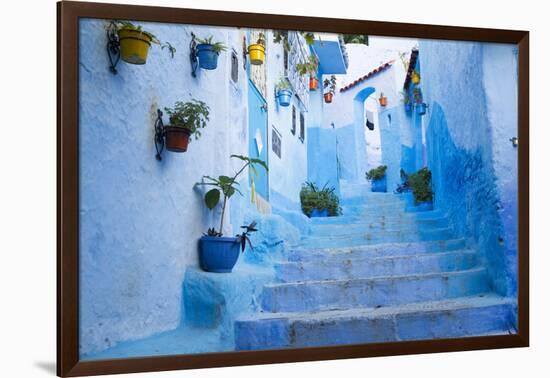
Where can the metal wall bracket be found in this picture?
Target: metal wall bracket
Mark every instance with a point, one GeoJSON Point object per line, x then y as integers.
{"type": "Point", "coordinates": [193, 55]}
{"type": "Point", "coordinates": [160, 134]}
{"type": "Point", "coordinates": [514, 141]}
{"type": "Point", "coordinates": [113, 47]}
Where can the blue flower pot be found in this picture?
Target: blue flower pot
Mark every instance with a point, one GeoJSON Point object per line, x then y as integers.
{"type": "Point", "coordinates": [218, 254]}
{"type": "Point", "coordinates": [284, 96]}
{"type": "Point", "coordinates": [208, 58]}
{"type": "Point", "coordinates": [424, 206]}
{"type": "Point", "coordinates": [316, 213]}
{"type": "Point", "coordinates": [408, 107]}
{"type": "Point", "coordinates": [379, 185]}
{"type": "Point", "coordinates": [421, 109]}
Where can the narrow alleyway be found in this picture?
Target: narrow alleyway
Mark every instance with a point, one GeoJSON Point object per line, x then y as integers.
{"type": "Point", "coordinates": [377, 273]}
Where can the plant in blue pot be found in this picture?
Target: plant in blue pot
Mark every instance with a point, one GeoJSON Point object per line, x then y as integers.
{"type": "Point", "coordinates": [421, 184]}
{"type": "Point", "coordinates": [319, 202]}
{"type": "Point", "coordinates": [406, 100]}
{"type": "Point", "coordinates": [419, 101]}
{"type": "Point", "coordinates": [208, 52]}
{"type": "Point", "coordinates": [283, 92]}
{"type": "Point", "coordinates": [219, 253]}
{"type": "Point", "coordinates": [377, 177]}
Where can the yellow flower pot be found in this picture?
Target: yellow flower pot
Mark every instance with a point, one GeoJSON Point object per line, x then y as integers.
{"type": "Point", "coordinates": [415, 78]}
{"type": "Point", "coordinates": [257, 54]}
{"type": "Point", "coordinates": [134, 45]}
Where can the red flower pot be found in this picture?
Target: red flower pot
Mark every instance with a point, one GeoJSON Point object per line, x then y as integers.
{"type": "Point", "coordinates": [177, 138]}
{"type": "Point", "coordinates": [313, 83]}
{"type": "Point", "coordinates": [328, 97]}
{"type": "Point", "coordinates": [383, 101]}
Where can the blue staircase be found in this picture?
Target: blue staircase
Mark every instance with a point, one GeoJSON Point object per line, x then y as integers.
{"type": "Point", "coordinates": [377, 273]}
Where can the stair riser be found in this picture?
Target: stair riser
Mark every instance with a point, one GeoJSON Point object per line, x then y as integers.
{"type": "Point", "coordinates": [321, 295]}
{"type": "Point", "coordinates": [365, 268]}
{"type": "Point", "coordinates": [381, 250]}
{"type": "Point", "coordinates": [351, 230]}
{"type": "Point", "coordinates": [282, 333]}
{"type": "Point", "coordinates": [395, 217]}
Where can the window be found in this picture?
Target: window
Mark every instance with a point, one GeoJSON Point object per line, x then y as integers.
{"type": "Point", "coordinates": [276, 142]}
{"type": "Point", "coordinates": [302, 127]}
{"type": "Point", "coordinates": [234, 67]}
{"type": "Point", "coordinates": [293, 130]}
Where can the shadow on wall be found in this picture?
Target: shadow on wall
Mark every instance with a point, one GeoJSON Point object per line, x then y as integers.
{"type": "Point", "coordinates": [464, 186]}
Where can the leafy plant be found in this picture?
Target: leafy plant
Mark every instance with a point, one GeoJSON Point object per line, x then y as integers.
{"type": "Point", "coordinates": [311, 197]}
{"type": "Point", "coordinates": [192, 115]}
{"type": "Point", "coordinates": [405, 60]}
{"type": "Point", "coordinates": [171, 49]}
{"type": "Point", "coordinates": [226, 186]}
{"type": "Point", "coordinates": [308, 67]}
{"type": "Point", "coordinates": [330, 84]}
{"type": "Point", "coordinates": [218, 47]}
{"type": "Point", "coordinates": [244, 236]}
{"type": "Point", "coordinates": [282, 84]}
{"type": "Point", "coordinates": [127, 25]}
{"type": "Point", "coordinates": [421, 185]}
{"type": "Point", "coordinates": [417, 94]}
{"type": "Point", "coordinates": [261, 39]}
{"type": "Point", "coordinates": [356, 38]}
{"type": "Point", "coordinates": [281, 36]}
{"type": "Point", "coordinates": [405, 97]}
{"type": "Point", "coordinates": [376, 173]}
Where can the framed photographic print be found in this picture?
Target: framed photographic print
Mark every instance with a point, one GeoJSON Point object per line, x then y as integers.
{"type": "Point", "coordinates": [239, 188]}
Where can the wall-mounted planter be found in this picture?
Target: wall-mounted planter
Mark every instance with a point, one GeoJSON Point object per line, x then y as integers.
{"type": "Point", "coordinates": [383, 100]}
{"type": "Point", "coordinates": [218, 254]}
{"type": "Point", "coordinates": [208, 57]}
{"type": "Point", "coordinates": [256, 52]}
{"type": "Point", "coordinates": [328, 97]}
{"type": "Point", "coordinates": [134, 45]}
{"type": "Point", "coordinates": [313, 83]}
{"type": "Point", "coordinates": [421, 108]}
{"type": "Point", "coordinates": [177, 138]}
{"type": "Point", "coordinates": [379, 185]}
{"type": "Point", "coordinates": [408, 107]}
{"type": "Point", "coordinates": [415, 78]}
{"type": "Point", "coordinates": [319, 213]}
{"type": "Point", "coordinates": [284, 96]}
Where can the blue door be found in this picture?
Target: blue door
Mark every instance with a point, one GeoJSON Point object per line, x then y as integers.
{"type": "Point", "coordinates": [257, 136]}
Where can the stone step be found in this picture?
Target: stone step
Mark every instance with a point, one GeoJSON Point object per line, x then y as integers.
{"type": "Point", "coordinates": [461, 317]}
{"type": "Point", "coordinates": [369, 267]}
{"type": "Point", "coordinates": [348, 219]}
{"type": "Point", "coordinates": [377, 225]}
{"type": "Point", "coordinates": [376, 237]}
{"type": "Point", "coordinates": [376, 250]}
{"type": "Point", "coordinates": [372, 201]}
{"type": "Point", "coordinates": [372, 292]}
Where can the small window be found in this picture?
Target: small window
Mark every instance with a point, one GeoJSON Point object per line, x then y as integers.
{"type": "Point", "coordinates": [293, 130]}
{"type": "Point", "coordinates": [302, 127]}
{"type": "Point", "coordinates": [234, 67]}
{"type": "Point", "coordinates": [276, 142]}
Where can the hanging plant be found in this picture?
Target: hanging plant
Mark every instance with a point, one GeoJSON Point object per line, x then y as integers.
{"type": "Point", "coordinates": [415, 77]}
{"type": "Point", "coordinates": [186, 120]}
{"type": "Point", "coordinates": [134, 41]}
{"type": "Point", "coordinates": [383, 99]}
{"type": "Point", "coordinates": [256, 51]}
{"type": "Point", "coordinates": [208, 52]}
{"type": "Point", "coordinates": [283, 92]}
{"type": "Point", "coordinates": [330, 88]}
{"type": "Point", "coordinates": [310, 66]}
{"type": "Point", "coordinates": [406, 98]}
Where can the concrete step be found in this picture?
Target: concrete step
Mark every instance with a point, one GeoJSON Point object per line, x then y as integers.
{"type": "Point", "coordinates": [369, 267]}
{"type": "Point", "coordinates": [372, 292]}
{"type": "Point", "coordinates": [373, 200]}
{"type": "Point", "coordinates": [397, 216]}
{"type": "Point", "coordinates": [377, 225]}
{"type": "Point", "coordinates": [376, 250]}
{"type": "Point", "coordinates": [376, 237]}
{"type": "Point", "coordinates": [460, 317]}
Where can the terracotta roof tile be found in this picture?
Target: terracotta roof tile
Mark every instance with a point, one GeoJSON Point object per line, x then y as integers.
{"type": "Point", "coordinates": [367, 76]}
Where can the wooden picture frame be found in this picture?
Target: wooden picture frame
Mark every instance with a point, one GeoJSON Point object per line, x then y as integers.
{"type": "Point", "coordinates": [69, 13]}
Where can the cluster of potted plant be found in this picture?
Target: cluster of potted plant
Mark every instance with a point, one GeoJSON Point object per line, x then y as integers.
{"type": "Point", "coordinates": [406, 100]}
{"type": "Point", "coordinates": [283, 92]}
{"type": "Point", "coordinates": [330, 87]}
{"type": "Point", "coordinates": [383, 100]}
{"type": "Point", "coordinates": [310, 67]}
{"type": "Point", "coordinates": [319, 202]}
{"type": "Point", "coordinates": [419, 101]}
{"type": "Point", "coordinates": [420, 183]}
{"type": "Point", "coordinates": [377, 177]}
{"type": "Point", "coordinates": [208, 52]}
{"type": "Point", "coordinates": [256, 51]}
{"type": "Point", "coordinates": [186, 119]}
{"type": "Point", "coordinates": [217, 253]}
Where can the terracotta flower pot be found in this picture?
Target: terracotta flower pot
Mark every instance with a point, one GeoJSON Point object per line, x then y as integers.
{"type": "Point", "coordinates": [313, 83]}
{"type": "Point", "coordinates": [328, 97]}
{"type": "Point", "coordinates": [383, 100]}
{"type": "Point", "coordinates": [177, 138]}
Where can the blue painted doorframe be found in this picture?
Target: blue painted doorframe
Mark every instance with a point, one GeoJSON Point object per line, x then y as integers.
{"type": "Point", "coordinates": [258, 142]}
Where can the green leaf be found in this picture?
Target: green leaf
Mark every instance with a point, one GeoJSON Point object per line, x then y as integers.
{"type": "Point", "coordinates": [211, 198]}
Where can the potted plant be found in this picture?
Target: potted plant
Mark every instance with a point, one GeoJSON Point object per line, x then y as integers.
{"type": "Point", "coordinates": [330, 86]}
{"type": "Point", "coordinates": [319, 202]}
{"type": "Point", "coordinates": [406, 100]}
{"type": "Point", "coordinates": [134, 42]}
{"type": "Point", "coordinates": [186, 119]}
{"type": "Point", "coordinates": [421, 184]}
{"type": "Point", "coordinates": [377, 177]}
{"type": "Point", "coordinates": [256, 51]}
{"type": "Point", "coordinates": [208, 52]}
{"type": "Point", "coordinates": [217, 253]}
{"type": "Point", "coordinates": [383, 99]}
{"type": "Point", "coordinates": [415, 77]}
{"type": "Point", "coordinates": [419, 100]}
{"type": "Point", "coordinates": [283, 92]}
{"type": "Point", "coordinates": [310, 67]}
